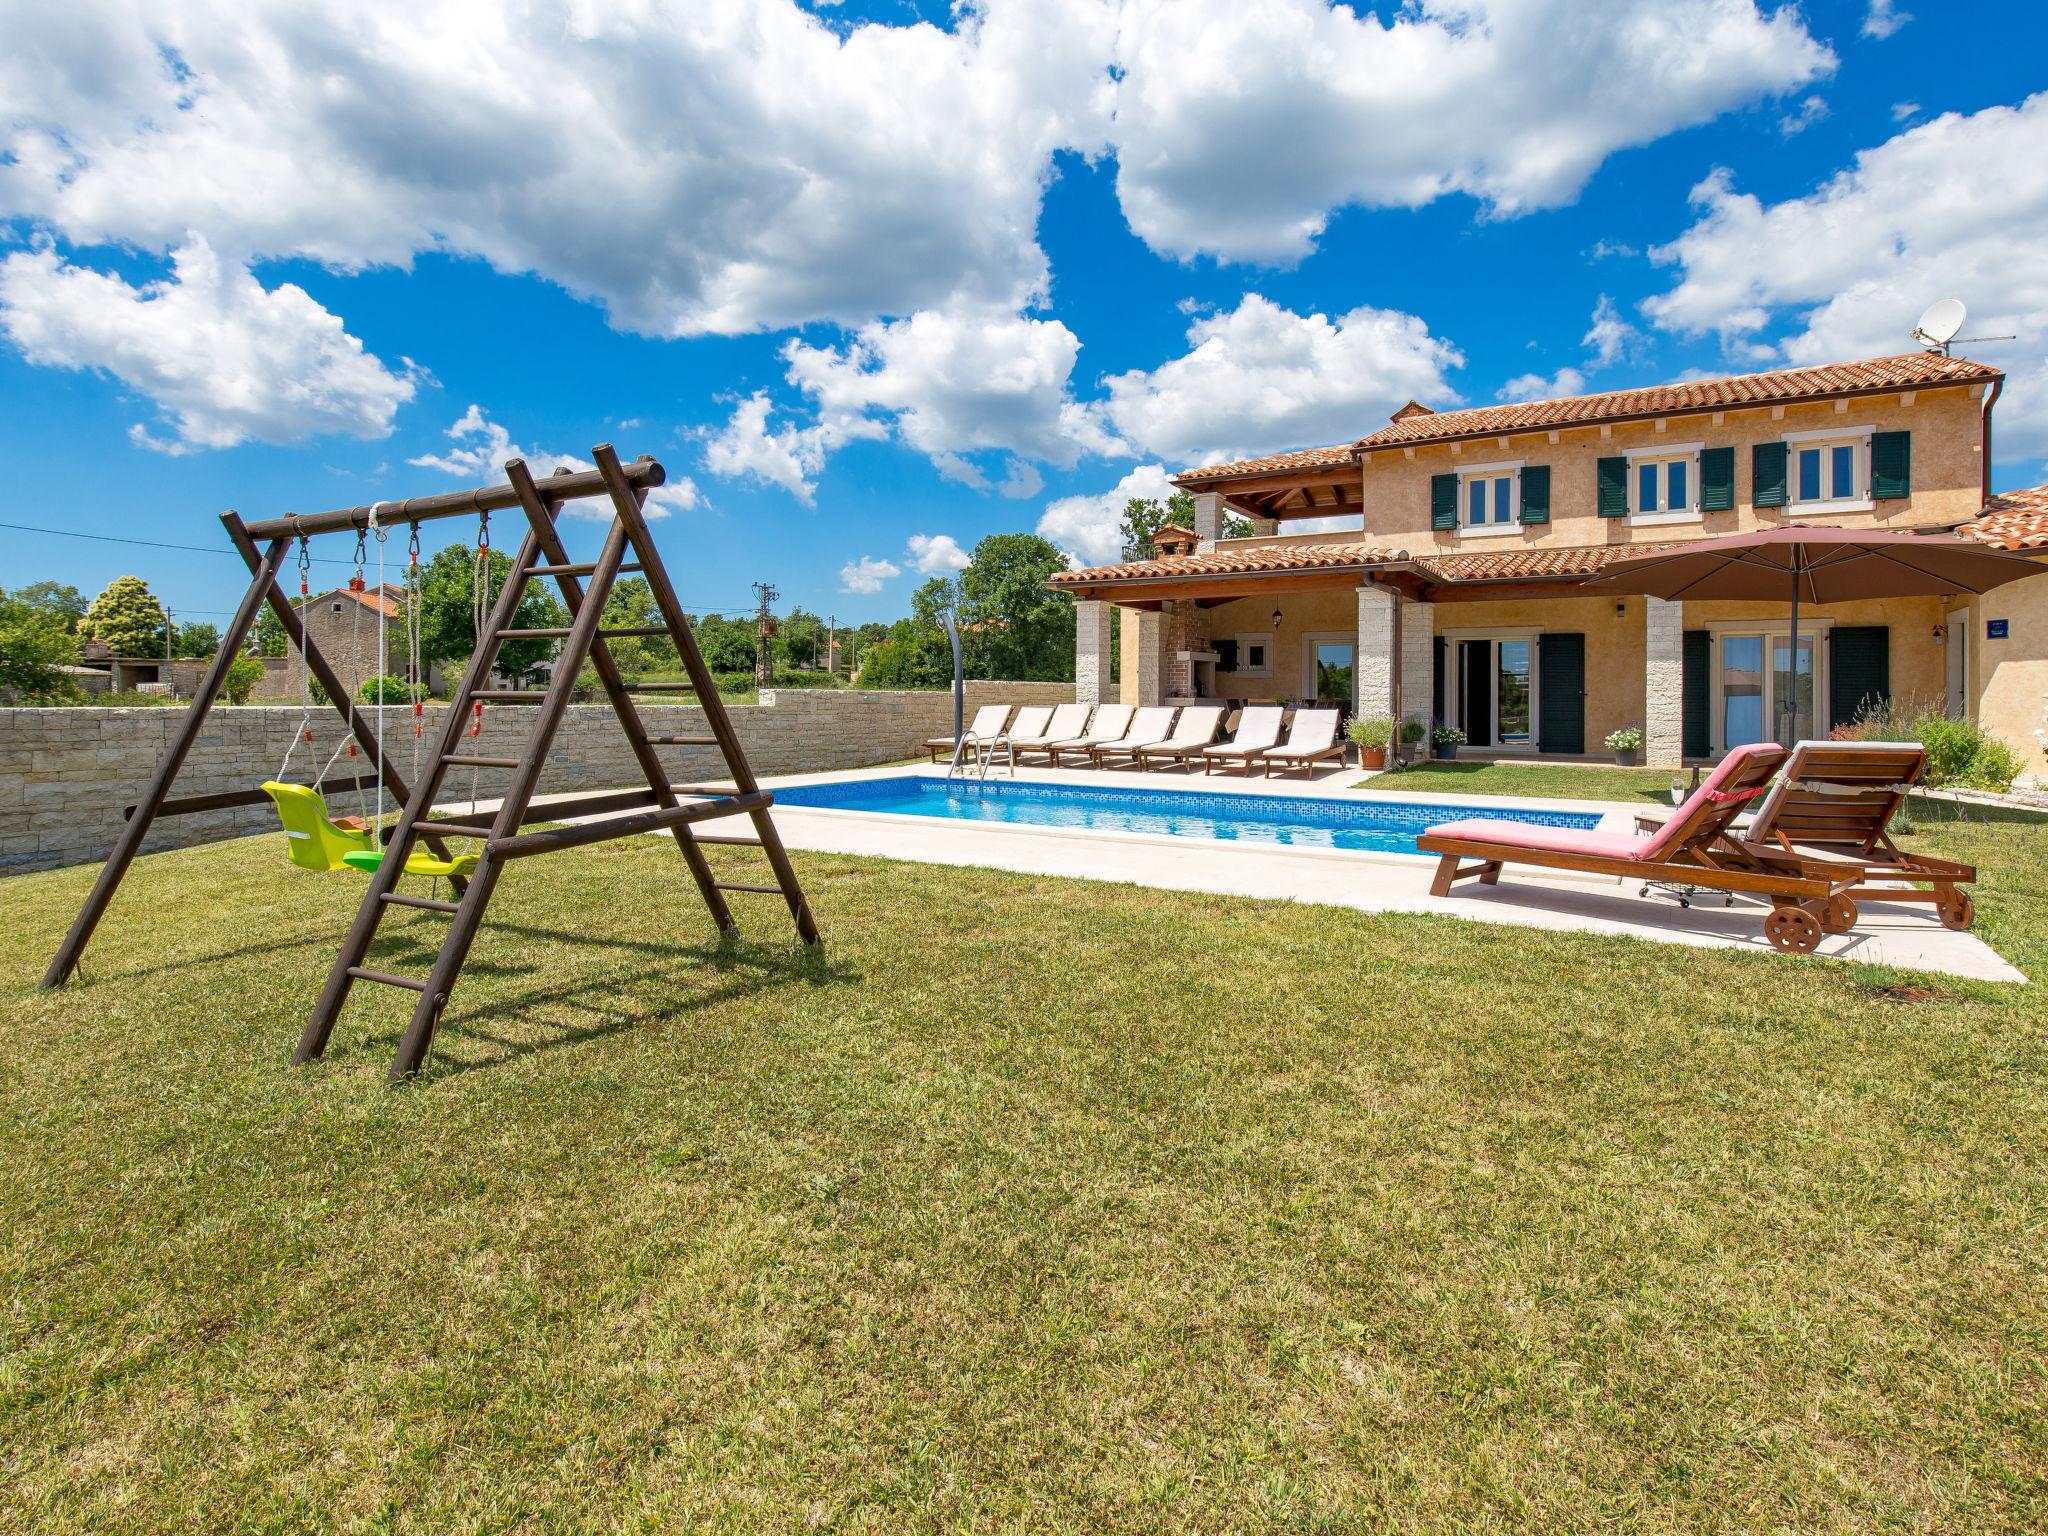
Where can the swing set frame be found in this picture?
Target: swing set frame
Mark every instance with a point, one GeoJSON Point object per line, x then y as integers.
{"type": "Point", "coordinates": [661, 806]}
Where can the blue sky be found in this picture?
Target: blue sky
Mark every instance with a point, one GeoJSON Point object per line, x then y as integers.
{"type": "Point", "coordinates": [1160, 243]}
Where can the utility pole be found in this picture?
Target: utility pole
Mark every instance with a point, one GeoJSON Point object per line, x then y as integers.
{"type": "Point", "coordinates": [831, 643]}
{"type": "Point", "coordinates": [764, 632]}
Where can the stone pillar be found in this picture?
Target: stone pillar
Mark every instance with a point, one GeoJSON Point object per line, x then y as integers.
{"type": "Point", "coordinates": [1372, 669]}
{"type": "Point", "coordinates": [1147, 658]}
{"type": "Point", "coordinates": [1264, 527]}
{"type": "Point", "coordinates": [1092, 622]}
{"type": "Point", "coordinates": [1208, 521]}
{"type": "Point", "coordinates": [1418, 659]}
{"type": "Point", "coordinates": [1663, 683]}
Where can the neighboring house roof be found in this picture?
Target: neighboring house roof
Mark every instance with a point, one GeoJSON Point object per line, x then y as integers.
{"type": "Point", "coordinates": [388, 600]}
{"type": "Point", "coordinates": [2016, 520]}
{"type": "Point", "coordinates": [1257, 560]}
{"type": "Point", "coordinates": [1828, 381]}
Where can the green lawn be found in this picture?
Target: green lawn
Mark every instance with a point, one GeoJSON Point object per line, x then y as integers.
{"type": "Point", "coordinates": [1039, 1206]}
{"type": "Point", "coordinates": [1550, 781]}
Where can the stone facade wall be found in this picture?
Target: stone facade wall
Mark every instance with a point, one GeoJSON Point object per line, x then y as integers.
{"type": "Point", "coordinates": [66, 774]}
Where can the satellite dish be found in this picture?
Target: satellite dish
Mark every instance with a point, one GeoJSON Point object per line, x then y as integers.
{"type": "Point", "coordinates": [1944, 318]}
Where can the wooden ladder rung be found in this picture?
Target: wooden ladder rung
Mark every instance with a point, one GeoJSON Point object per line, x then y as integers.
{"type": "Point", "coordinates": [562, 633]}
{"type": "Point", "coordinates": [451, 829]}
{"type": "Point", "coordinates": [682, 741]}
{"type": "Point", "coordinates": [364, 973]}
{"type": "Point", "coordinates": [586, 569]}
{"type": "Point", "coordinates": [511, 695]}
{"type": "Point", "coordinates": [426, 903]}
{"type": "Point", "coordinates": [457, 760]}
{"type": "Point", "coordinates": [741, 885]}
{"type": "Point", "coordinates": [727, 841]}
{"type": "Point", "coordinates": [661, 687]}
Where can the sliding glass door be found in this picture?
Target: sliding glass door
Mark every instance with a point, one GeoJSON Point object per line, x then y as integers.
{"type": "Point", "coordinates": [1497, 691]}
{"type": "Point", "coordinates": [1753, 704]}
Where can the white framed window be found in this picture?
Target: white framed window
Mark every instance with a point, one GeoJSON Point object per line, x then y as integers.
{"type": "Point", "coordinates": [1828, 471]}
{"type": "Point", "coordinates": [1492, 688]}
{"type": "Point", "coordinates": [1255, 655]}
{"type": "Point", "coordinates": [1490, 499]}
{"type": "Point", "coordinates": [1664, 483]}
{"type": "Point", "coordinates": [1761, 691]}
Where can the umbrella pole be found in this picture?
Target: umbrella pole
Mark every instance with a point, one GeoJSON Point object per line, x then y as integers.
{"type": "Point", "coordinates": [1789, 710]}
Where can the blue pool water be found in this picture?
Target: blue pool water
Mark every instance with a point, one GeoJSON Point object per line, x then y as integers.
{"type": "Point", "coordinates": [1378, 827]}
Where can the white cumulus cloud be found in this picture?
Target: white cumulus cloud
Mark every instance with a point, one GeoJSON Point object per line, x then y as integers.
{"type": "Point", "coordinates": [1088, 528]}
{"type": "Point", "coordinates": [1883, 17]}
{"type": "Point", "coordinates": [789, 455]}
{"type": "Point", "coordinates": [226, 359]}
{"type": "Point", "coordinates": [1535, 386]}
{"type": "Point", "coordinates": [937, 554]}
{"type": "Point", "coordinates": [1956, 207]}
{"type": "Point", "coordinates": [482, 447]}
{"type": "Point", "coordinates": [867, 575]}
{"type": "Point", "coordinates": [1261, 377]}
{"type": "Point", "coordinates": [1242, 124]}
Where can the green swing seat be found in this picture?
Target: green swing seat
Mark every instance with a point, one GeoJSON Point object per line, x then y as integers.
{"type": "Point", "coordinates": [315, 842]}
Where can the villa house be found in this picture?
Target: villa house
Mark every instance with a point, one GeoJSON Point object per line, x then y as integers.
{"type": "Point", "coordinates": [1444, 579]}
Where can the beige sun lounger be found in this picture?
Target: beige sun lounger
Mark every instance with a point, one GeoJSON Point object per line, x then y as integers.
{"type": "Point", "coordinates": [986, 725]}
{"type": "Point", "coordinates": [1067, 722]}
{"type": "Point", "coordinates": [1195, 729]}
{"type": "Point", "coordinates": [1149, 728]}
{"type": "Point", "coordinates": [1310, 740]}
{"type": "Point", "coordinates": [1109, 724]}
{"type": "Point", "coordinates": [1258, 728]}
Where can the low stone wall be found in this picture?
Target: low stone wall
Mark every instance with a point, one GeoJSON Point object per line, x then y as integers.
{"type": "Point", "coordinates": [66, 774]}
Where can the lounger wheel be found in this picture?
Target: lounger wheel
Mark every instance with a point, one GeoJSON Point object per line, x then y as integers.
{"type": "Point", "coordinates": [1794, 930]}
{"type": "Point", "coordinates": [1955, 908]}
{"type": "Point", "coordinates": [1839, 916]}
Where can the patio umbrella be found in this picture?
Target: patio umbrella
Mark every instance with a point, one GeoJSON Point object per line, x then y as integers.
{"type": "Point", "coordinates": [1814, 565]}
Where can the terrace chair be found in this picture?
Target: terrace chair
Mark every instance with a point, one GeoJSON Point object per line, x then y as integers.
{"type": "Point", "coordinates": [1109, 724]}
{"type": "Point", "coordinates": [1311, 739]}
{"type": "Point", "coordinates": [1068, 721]}
{"type": "Point", "coordinates": [1031, 720]}
{"type": "Point", "coordinates": [1831, 812]}
{"type": "Point", "coordinates": [1150, 727]}
{"type": "Point", "coordinates": [987, 723]}
{"type": "Point", "coordinates": [1258, 728]}
{"type": "Point", "coordinates": [1692, 849]}
{"type": "Point", "coordinates": [1192, 733]}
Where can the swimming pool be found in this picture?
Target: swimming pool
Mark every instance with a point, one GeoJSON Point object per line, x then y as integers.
{"type": "Point", "coordinates": [1361, 825]}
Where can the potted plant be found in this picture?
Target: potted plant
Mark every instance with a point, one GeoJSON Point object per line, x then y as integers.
{"type": "Point", "coordinates": [1412, 732]}
{"type": "Point", "coordinates": [1626, 744]}
{"type": "Point", "coordinates": [1371, 734]}
{"type": "Point", "coordinates": [1447, 739]}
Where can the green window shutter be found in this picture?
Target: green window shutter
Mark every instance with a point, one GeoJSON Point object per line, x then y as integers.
{"type": "Point", "coordinates": [1767, 475]}
{"type": "Point", "coordinates": [1717, 479]}
{"type": "Point", "coordinates": [1859, 670]}
{"type": "Point", "coordinates": [1891, 465]}
{"type": "Point", "coordinates": [1561, 693]}
{"type": "Point", "coordinates": [1536, 493]}
{"type": "Point", "coordinates": [1612, 481]}
{"type": "Point", "coordinates": [1696, 656]}
{"type": "Point", "coordinates": [1443, 501]}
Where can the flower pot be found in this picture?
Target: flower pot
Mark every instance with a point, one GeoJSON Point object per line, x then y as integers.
{"type": "Point", "coordinates": [1627, 757]}
{"type": "Point", "coordinates": [1445, 751]}
{"type": "Point", "coordinates": [1372, 757]}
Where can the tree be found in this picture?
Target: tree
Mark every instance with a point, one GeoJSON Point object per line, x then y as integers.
{"type": "Point", "coordinates": [196, 639]}
{"type": "Point", "coordinates": [909, 657]}
{"type": "Point", "coordinates": [270, 636]}
{"type": "Point", "coordinates": [35, 640]}
{"type": "Point", "coordinates": [726, 645]}
{"type": "Point", "coordinates": [126, 618]}
{"type": "Point", "coordinates": [1021, 627]}
{"type": "Point", "coordinates": [631, 605]}
{"type": "Point", "coordinates": [244, 673]}
{"type": "Point", "coordinates": [53, 597]}
{"type": "Point", "coordinates": [447, 611]}
{"type": "Point", "coordinates": [1144, 516]}
{"type": "Point", "coordinates": [800, 641]}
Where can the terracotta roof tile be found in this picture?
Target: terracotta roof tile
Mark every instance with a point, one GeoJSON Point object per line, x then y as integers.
{"type": "Point", "coordinates": [1529, 564]}
{"type": "Point", "coordinates": [2017, 520]}
{"type": "Point", "coordinates": [1274, 463]}
{"type": "Point", "coordinates": [1236, 562]}
{"type": "Point", "coordinates": [1907, 371]}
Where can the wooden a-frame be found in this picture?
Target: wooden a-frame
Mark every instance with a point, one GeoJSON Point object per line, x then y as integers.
{"type": "Point", "coordinates": [662, 806]}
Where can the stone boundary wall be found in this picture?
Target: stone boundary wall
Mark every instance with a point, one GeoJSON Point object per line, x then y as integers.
{"type": "Point", "coordinates": [66, 774]}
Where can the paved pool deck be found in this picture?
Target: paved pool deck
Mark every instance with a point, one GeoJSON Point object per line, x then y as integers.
{"type": "Point", "coordinates": [1887, 933]}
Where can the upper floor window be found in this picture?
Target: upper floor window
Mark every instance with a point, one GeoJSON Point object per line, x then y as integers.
{"type": "Point", "coordinates": [1831, 471]}
{"type": "Point", "coordinates": [1489, 499]}
{"type": "Point", "coordinates": [1664, 485]}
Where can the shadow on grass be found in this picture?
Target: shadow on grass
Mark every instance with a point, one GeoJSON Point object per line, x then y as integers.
{"type": "Point", "coordinates": [652, 996]}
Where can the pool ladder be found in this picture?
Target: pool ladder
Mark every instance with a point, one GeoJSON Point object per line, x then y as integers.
{"type": "Point", "coordinates": [972, 755]}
